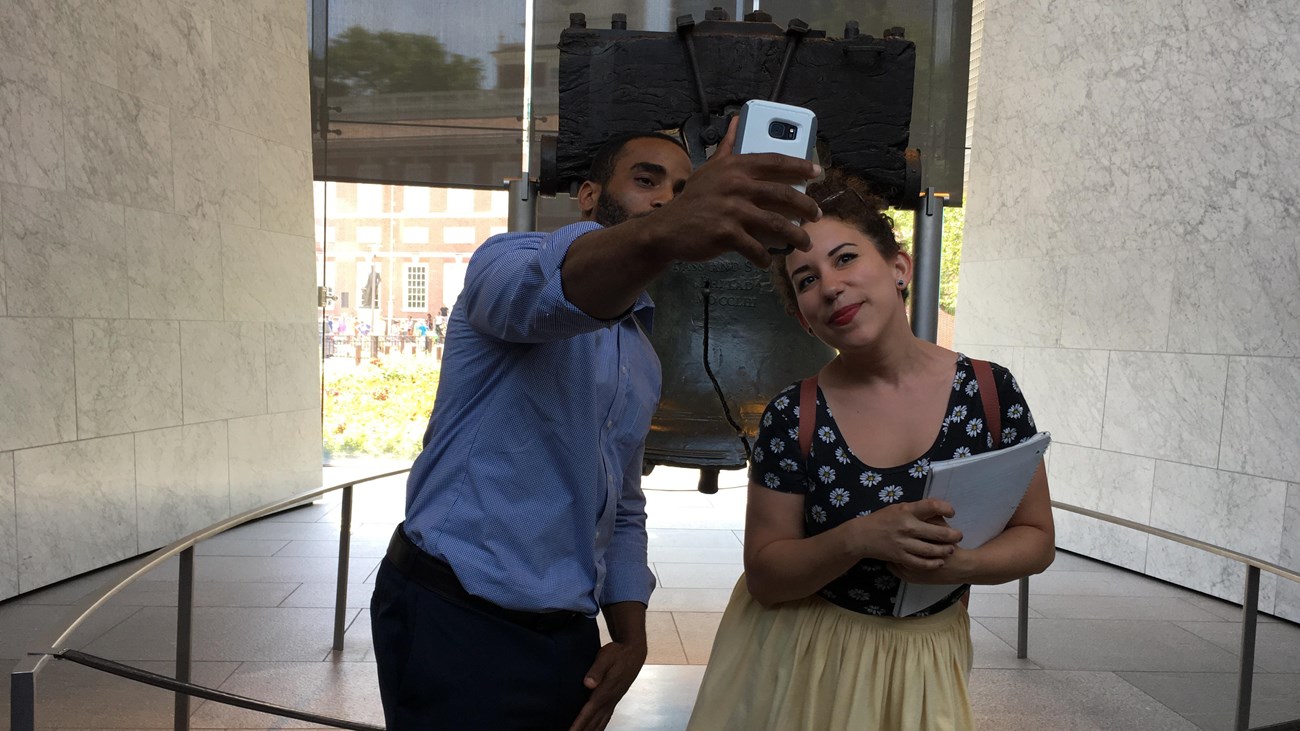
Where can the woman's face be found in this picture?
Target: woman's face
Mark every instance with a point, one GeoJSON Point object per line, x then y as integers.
{"type": "Point", "coordinates": [847, 292]}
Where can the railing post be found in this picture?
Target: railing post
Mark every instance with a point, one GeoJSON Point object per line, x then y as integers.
{"type": "Point", "coordinates": [1246, 675]}
{"type": "Point", "coordinates": [184, 635]}
{"type": "Point", "coordinates": [22, 700]}
{"type": "Point", "coordinates": [1022, 620]}
{"type": "Point", "coordinates": [345, 549]}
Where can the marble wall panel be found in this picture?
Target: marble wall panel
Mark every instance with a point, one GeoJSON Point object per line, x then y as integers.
{"type": "Point", "coordinates": [167, 56]}
{"type": "Point", "coordinates": [128, 376]}
{"type": "Point", "coordinates": [273, 457]}
{"type": "Point", "coordinates": [1197, 297]}
{"type": "Point", "coordinates": [118, 147]}
{"type": "Point", "coordinates": [1132, 287]}
{"type": "Point", "coordinates": [1022, 220]}
{"type": "Point", "coordinates": [55, 542]}
{"type": "Point", "coordinates": [223, 370]}
{"type": "Point", "coordinates": [1287, 603]}
{"type": "Point", "coordinates": [76, 36]}
{"type": "Point", "coordinates": [173, 266]}
{"type": "Point", "coordinates": [267, 276]}
{"type": "Point", "coordinates": [1206, 572]}
{"type": "Point", "coordinates": [37, 394]}
{"type": "Point", "coordinates": [1223, 508]}
{"type": "Point", "coordinates": [1262, 417]}
{"type": "Point", "coordinates": [65, 256]}
{"type": "Point", "coordinates": [1259, 294]}
{"type": "Point", "coordinates": [293, 366]}
{"type": "Point", "coordinates": [1015, 302]}
{"type": "Point", "coordinates": [1230, 72]}
{"type": "Point", "coordinates": [1066, 390]}
{"type": "Point", "coordinates": [8, 528]}
{"type": "Point", "coordinates": [182, 481]}
{"type": "Point", "coordinates": [31, 115]}
{"type": "Point", "coordinates": [277, 24]}
{"type": "Point", "coordinates": [1123, 547]}
{"type": "Point", "coordinates": [260, 94]}
{"type": "Point", "coordinates": [4, 307]}
{"type": "Point", "coordinates": [285, 183]}
{"type": "Point", "coordinates": [1116, 484]}
{"type": "Point", "coordinates": [216, 167]}
{"type": "Point", "coordinates": [1165, 405]}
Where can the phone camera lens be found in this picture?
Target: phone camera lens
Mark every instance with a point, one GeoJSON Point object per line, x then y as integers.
{"type": "Point", "coordinates": [782, 130]}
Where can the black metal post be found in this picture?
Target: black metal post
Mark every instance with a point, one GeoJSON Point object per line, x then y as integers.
{"type": "Point", "coordinates": [184, 635]}
{"type": "Point", "coordinates": [1246, 674]}
{"type": "Point", "coordinates": [345, 550]}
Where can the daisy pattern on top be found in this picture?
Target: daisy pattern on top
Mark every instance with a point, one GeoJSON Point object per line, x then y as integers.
{"type": "Point", "coordinates": [796, 411]}
{"type": "Point", "coordinates": [781, 403]}
{"type": "Point", "coordinates": [839, 497]}
{"type": "Point", "coordinates": [767, 419]}
{"type": "Point", "coordinates": [841, 456]}
{"type": "Point", "coordinates": [958, 413]}
{"type": "Point", "coordinates": [818, 513]}
{"type": "Point", "coordinates": [759, 454]}
{"type": "Point", "coordinates": [793, 434]}
{"type": "Point", "coordinates": [961, 452]}
{"type": "Point", "coordinates": [973, 427]}
{"type": "Point", "coordinates": [776, 445]}
{"type": "Point", "coordinates": [1016, 411]}
{"type": "Point", "coordinates": [826, 474]}
{"type": "Point", "coordinates": [869, 479]}
{"type": "Point", "coordinates": [861, 595]}
{"type": "Point", "coordinates": [826, 434]}
{"type": "Point", "coordinates": [890, 493]}
{"type": "Point", "coordinates": [920, 469]}
{"type": "Point", "coordinates": [972, 388]}
{"type": "Point", "coordinates": [958, 379]}
{"type": "Point", "coordinates": [789, 465]}
{"type": "Point", "coordinates": [771, 480]}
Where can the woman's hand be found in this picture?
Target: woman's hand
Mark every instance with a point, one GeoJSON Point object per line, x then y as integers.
{"type": "Point", "coordinates": [915, 535]}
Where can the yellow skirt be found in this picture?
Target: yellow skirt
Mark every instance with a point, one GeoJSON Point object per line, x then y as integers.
{"type": "Point", "coordinates": [810, 665]}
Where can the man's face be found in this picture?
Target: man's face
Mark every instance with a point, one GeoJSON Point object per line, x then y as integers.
{"type": "Point", "coordinates": [648, 173]}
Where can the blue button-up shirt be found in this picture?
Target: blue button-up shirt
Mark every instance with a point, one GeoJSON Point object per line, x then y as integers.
{"type": "Point", "coordinates": [529, 484]}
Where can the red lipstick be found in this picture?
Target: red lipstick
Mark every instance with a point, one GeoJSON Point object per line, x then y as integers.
{"type": "Point", "coordinates": [844, 315]}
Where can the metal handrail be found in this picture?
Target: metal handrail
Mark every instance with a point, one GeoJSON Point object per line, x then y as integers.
{"type": "Point", "coordinates": [23, 677]}
{"type": "Point", "coordinates": [1249, 605]}
{"type": "Point", "coordinates": [22, 680]}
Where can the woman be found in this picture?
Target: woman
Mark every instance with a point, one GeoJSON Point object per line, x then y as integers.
{"type": "Point", "coordinates": [809, 640]}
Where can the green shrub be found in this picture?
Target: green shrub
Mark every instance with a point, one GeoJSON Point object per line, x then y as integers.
{"type": "Point", "coordinates": [379, 408]}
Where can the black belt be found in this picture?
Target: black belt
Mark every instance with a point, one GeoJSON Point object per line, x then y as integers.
{"type": "Point", "coordinates": [435, 575]}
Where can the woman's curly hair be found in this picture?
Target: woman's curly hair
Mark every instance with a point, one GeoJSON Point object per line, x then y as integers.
{"type": "Point", "coordinates": [849, 199]}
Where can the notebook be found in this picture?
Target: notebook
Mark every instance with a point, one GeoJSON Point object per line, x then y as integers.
{"type": "Point", "coordinates": [984, 491]}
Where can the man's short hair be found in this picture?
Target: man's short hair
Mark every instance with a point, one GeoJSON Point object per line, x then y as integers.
{"type": "Point", "coordinates": [602, 165]}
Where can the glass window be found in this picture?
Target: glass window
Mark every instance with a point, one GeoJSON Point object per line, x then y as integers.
{"type": "Point", "coordinates": [417, 287]}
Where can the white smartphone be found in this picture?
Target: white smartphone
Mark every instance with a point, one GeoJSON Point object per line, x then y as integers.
{"type": "Point", "coordinates": [771, 127]}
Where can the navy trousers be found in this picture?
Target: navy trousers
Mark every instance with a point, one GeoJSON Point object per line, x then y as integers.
{"type": "Point", "coordinates": [446, 666]}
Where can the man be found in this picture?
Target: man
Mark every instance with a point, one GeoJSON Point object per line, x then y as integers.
{"type": "Point", "coordinates": [524, 514]}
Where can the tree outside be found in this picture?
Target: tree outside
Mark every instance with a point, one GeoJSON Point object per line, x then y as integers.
{"type": "Point", "coordinates": [954, 224]}
{"type": "Point", "coordinates": [364, 62]}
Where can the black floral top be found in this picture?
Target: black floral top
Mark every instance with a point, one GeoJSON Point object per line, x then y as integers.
{"type": "Point", "coordinates": [839, 486]}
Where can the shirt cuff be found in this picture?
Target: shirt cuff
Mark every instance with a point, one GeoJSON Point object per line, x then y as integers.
{"type": "Point", "coordinates": [627, 582]}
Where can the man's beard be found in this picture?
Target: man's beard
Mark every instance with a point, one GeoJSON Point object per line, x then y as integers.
{"type": "Point", "coordinates": [610, 212]}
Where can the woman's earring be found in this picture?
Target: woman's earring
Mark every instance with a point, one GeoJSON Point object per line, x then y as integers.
{"type": "Point", "coordinates": [810, 332]}
{"type": "Point", "coordinates": [901, 284]}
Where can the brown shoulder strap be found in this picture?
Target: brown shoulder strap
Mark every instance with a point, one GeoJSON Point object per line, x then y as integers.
{"type": "Point", "coordinates": [807, 413]}
{"type": "Point", "coordinates": [989, 395]}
